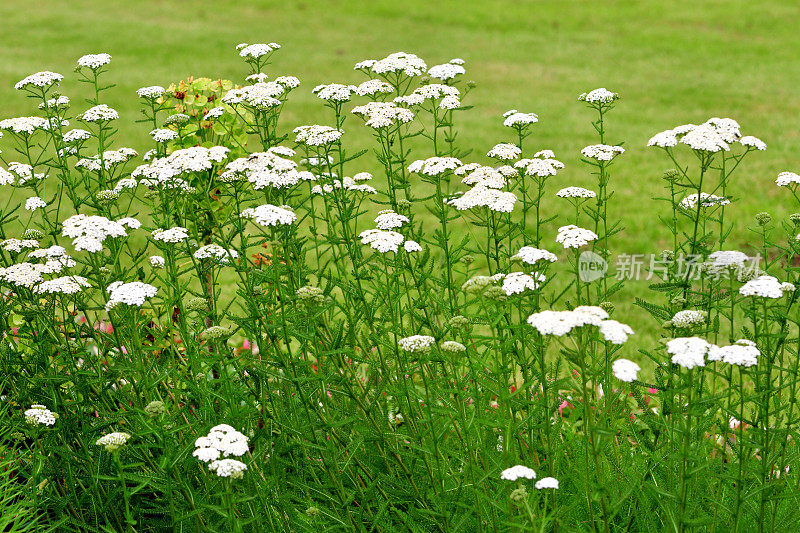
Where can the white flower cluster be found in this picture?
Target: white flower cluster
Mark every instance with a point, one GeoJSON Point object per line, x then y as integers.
{"type": "Point", "coordinates": [216, 253]}
{"type": "Point", "coordinates": [171, 235]}
{"type": "Point", "coordinates": [417, 343]}
{"type": "Point", "coordinates": [94, 61]}
{"type": "Point", "coordinates": [113, 441]}
{"type": "Point", "coordinates": [560, 323]}
{"type": "Point", "coordinates": [688, 352]}
{"type": "Point", "coordinates": [517, 119]}
{"type": "Point", "coordinates": [505, 151]}
{"type": "Point", "coordinates": [531, 255]}
{"type": "Point", "coordinates": [599, 96]}
{"type": "Point", "coordinates": [602, 152]}
{"type": "Point", "coordinates": [336, 92]}
{"type": "Point", "coordinates": [765, 287]}
{"type": "Point", "coordinates": [373, 87]}
{"type": "Point", "coordinates": [62, 285]}
{"type": "Point", "coordinates": [625, 370]}
{"type": "Point", "coordinates": [269, 215]}
{"type": "Point", "coordinates": [383, 114]}
{"type": "Point", "coordinates": [33, 203]}
{"type": "Point", "coordinates": [385, 241]}
{"type": "Point", "coordinates": [24, 173]}
{"type": "Point", "coordinates": [706, 200]}
{"type": "Point", "coordinates": [355, 183]}
{"type": "Point", "coordinates": [222, 441]}
{"type": "Point", "coordinates": [42, 79]}
{"type": "Point", "coordinates": [398, 62]}
{"type": "Point", "coordinates": [17, 245]}
{"type": "Point", "coordinates": [134, 293]}
{"type": "Point", "coordinates": [163, 172]}
{"type": "Point", "coordinates": [99, 113]}
{"type": "Point", "coordinates": [447, 71]}
{"type": "Point", "coordinates": [572, 236]}
{"type": "Point", "coordinates": [786, 179]}
{"type": "Point", "coordinates": [517, 472]}
{"type": "Point", "coordinates": [482, 196]}
{"type": "Point", "coordinates": [485, 176]}
{"type": "Point", "coordinates": [58, 102]}
{"type": "Point", "coordinates": [261, 95]}
{"type": "Point", "coordinates": [157, 261]}
{"type": "Point", "coordinates": [39, 415]}
{"type": "Point", "coordinates": [743, 353]}
{"type": "Point", "coordinates": [724, 260]}
{"type": "Point", "coordinates": [162, 135]}
{"type": "Point", "coordinates": [152, 92]}
{"type": "Point", "coordinates": [267, 169]}
{"type": "Point", "coordinates": [89, 232]}
{"type": "Point", "coordinates": [448, 95]}
{"type": "Point", "coordinates": [388, 219]}
{"type": "Point", "coordinates": [542, 165]}
{"type": "Point", "coordinates": [24, 125]}
{"type": "Point", "coordinates": [316, 135]}
{"type": "Point", "coordinates": [688, 318]}
{"type": "Point", "coordinates": [434, 166]}
{"type": "Point", "coordinates": [517, 282]}
{"type": "Point", "coordinates": [255, 51]}
{"type": "Point", "coordinates": [109, 159]}
{"type": "Point", "coordinates": [714, 135]}
{"type": "Point", "coordinates": [575, 192]}
{"type": "Point", "coordinates": [228, 468]}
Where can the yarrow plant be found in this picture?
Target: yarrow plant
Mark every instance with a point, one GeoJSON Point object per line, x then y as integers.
{"type": "Point", "coordinates": [412, 337]}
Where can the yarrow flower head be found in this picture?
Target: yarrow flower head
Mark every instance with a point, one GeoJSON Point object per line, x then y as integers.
{"type": "Point", "coordinates": [706, 200]}
{"type": "Point", "coordinates": [152, 92]}
{"type": "Point", "coordinates": [255, 51]}
{"type": "Point", "coordinates": [94, 61]}
{"type": "Point", "coordinates": [398, 62]}
{"type": "Point", "coordinates": [39, 415]}
{"type": "Point", "coordinates": [516, 119]}
{"type": "Point", "coordinates": [765, 287]}
{"type": "Point", "coordinates": [112, 442]}
{"type": "Point", "coordinates": [446, 71]}
{"type": "Point", "coordinates": [547, 483]}
{"type": "Point", "coordinates": [517, 472]}
{"type": "Point", "coordinates": [688, 352]}
{"type": "Point", "coordinates": [505, 151]}
{"type": "Point", "coordinates": [743, 353]}
{"type": "Point", "coordinates": [270, 215]}
{"type": "Point", "coordinates": [382, 240]}
{"type": "Point", "coordinates": [434, 166]}
{"type": "Point", "coordinates": [316, 135]}
{"type": "Point", "coordinates": [602, 152]}
{"type": "Point", "coordinates": [383, 114]}
{"type": "Point", "coordinates": [388, 220]}
{"type": "Point", "coordinates": [171, 235]}
{"type": "Point", "coordinates": [228, 468]}
{"type": "Point", "coordinates": [517, 282]}
{"type": "Point", "coordinates": [134, 293]}
{"type": "Point", "coordinates": [417, 343]}
{"type": "Point", "coordinates": [33, 203]}
{"type": "Point", "coordinates": [40, 79]}
{"type": "Point", "coordinates": [89, 232]}
{"type": "Point", "coordinates": [688, 318]}
{"type": "Point", "coordinates": [531, 255]}
{"type": "Point", "coordinates": [625, 370]}
{"type": "Point", "coordinates": [574, 237]}
{"type": "Point", "coordinates": [575, 192]}
{"type": "Point", "coordinates": [222, 441]}
{"type": "Point", "coordinates": [216, 253]}
{"type": "Point", "coordinates": [559, 323]}
{"type": "Point", "coordinates": [599, 96]}
{"type": "Point", "coordinates": [99, 113]}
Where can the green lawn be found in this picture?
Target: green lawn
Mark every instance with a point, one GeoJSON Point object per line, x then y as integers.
{"type": "Point", "coordinates": [672, 62]}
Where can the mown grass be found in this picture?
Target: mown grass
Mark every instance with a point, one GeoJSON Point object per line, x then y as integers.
{"type": "Point", "coordinates": [673, 63]}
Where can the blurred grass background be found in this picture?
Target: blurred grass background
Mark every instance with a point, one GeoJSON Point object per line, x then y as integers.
{"type": "Point", "coordinates": [672, 62]}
